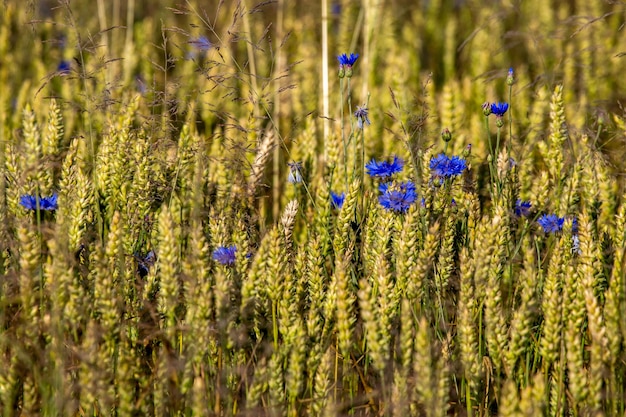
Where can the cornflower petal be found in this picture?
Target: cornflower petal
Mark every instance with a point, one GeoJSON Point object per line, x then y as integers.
{"type": "Point", "coordinates": [337, 199]}
{"type": "Point", "coordinates": [499, 109]}
{"type": "Point", "coordinates": [551, 223]}
{"type": "Point", "coordinates": [397, 197]}
{"type": "Point", "coordinates": [384, 169]}
{"type": "Point", "coordinates": [444, 167]}
{"type": "Point", "coordinates": [522, 208]}
{"type": "Point", "coordinates": [225, 255]}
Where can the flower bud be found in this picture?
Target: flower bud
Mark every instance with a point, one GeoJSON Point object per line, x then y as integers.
{"type": "Point", "coordinates": [510, 78]}
{"type": "Point", "coordinates": [486, 108]}
{"type": "Point", "coordinates": [446, 135]}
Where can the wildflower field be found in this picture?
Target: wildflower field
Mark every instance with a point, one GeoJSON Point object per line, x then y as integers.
{"type": "Point", "coordinates": [312, 208]}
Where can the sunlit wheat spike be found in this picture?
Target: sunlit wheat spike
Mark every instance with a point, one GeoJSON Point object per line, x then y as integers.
{"type": "Point", "coordinates": [558, 135]}
{"type": "Point", "coordinates": [520, 331]}
{"type": "Point", "coordinates": [276, 383]}
{"type": "Point", "coordinates": [410, 238]}
{"type": "Point", "coordinates": [551, 307]}
{"type": "Point", "coordinates": [322, 384]}
{"type": "Point", "coordinates": [168, 271]}
{"type": "Point", "coordinates": [425, 382]}
{"type": "Point", "coordinates": [294, 374]}
{"type": "Point", "coordinates": [32, 148]}
{"type": "Point", "coordinates": [467, 328]}
{"type": "Point", "coordinates": [198, 291]}
{"type": "Point", "coordinates": [370, 314]}
{"type": "Point", "coordinates": [317, 287]}
{"type": "Point", "coordinates": [599, 349]}
{"type": "Point", "coordinates": [287, 221]}
{"type": "Point", "coordinates": [54, 130]}
{"type": "Point", "coordinates": [495, 320]}
{"type": "Point", "coordinates": [445, 264]}
{"type": "Point", "coordinates": [30, 281]}
{"type": "Point", "coordinates": [260, 160]}
{"type": "Point", "coordinates": [107, 280]}
{"type": "Point", "coordinates": [424, 265]}
{"type": "Point", "coordinates": [577, 375]}
{"type": "Point", "coordinates": [79, 209]}
{"type": "Point", "coordinates": [615, 293]}
{"type": "Point", "coordinates": [344, 306]}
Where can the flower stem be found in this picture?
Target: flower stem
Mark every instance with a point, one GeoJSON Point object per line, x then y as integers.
{"type": "Point", "coordinates": [352, 126]}
{"type": "Point", "coordinates": [491, 171]}
{"type": "Point", "coordinates": [508, 144]}
{"type": "Point", "coordinates": [343, 135]}
{"type": "Point", "coordinates": [494, 161]}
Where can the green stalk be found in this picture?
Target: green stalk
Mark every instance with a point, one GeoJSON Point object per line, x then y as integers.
{"type": "Point", "coordinates": [343, 135]}
{"type": "Point", "coordinates": [491, 170]}
{"type": "Point", "coordinates": [351, 120]}
{"type": "Point", "coordinates": [508, 145]}
{"type": "Point", "coordinates": [468, 398]}
{"type": "Point", "coordinates": [38, 217]}
{"type": "Point", "coordinates": [494, 161]}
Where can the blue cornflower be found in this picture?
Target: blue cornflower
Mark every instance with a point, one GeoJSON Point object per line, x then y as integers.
{"type": "Point", "coordinates": [499, 109]}
{"type": "Point", "coordinates": [225, 255]}
{"type": "Point", "coordinates": [345, 64]}
{"type": "Point", "coordinates": [337, 199]}
{"type": "Point", "coordinates": [144, 263]}
{"type": "Point", "coordinates": [522, 208]}
{"type": "Point", "coordinates": [295, 172]}
{"type": "Point", "coordinates": [29, 202]}
{"type": "Point", "coordinates": [575, 226]}
{"type": "Point", "coordinates": [64, 67]}
{"type": "Point", "coordinates": [361, 116]}
{"type": "Point", "coordinates": [384, 168]}
{"type": "Point", "coordinates": [347, 61]}
{"type": "Point", "coordinates": [397, 197]}
{"type": "Point", "coordinates": [445, 167]}
{"type": "Point", "coordinates": [201, 43]}
{"type": "Point", "coordinates": [551, 223]}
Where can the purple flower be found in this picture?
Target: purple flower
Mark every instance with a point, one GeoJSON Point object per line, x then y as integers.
{"type": "Point", "coordinates": [64, 67]}
{"type": "Point", "coordinates": [347, 61]}
{"type": "Point", "coordinates": [337, 199]}
{"type": "Point", "coordinates": [384, 169]}
{"type": "Point", "coordinates": [225, 255]}
{"type": "Point", "coordinates": [499, 109]}
{"type": "Point", "coordinates": [361, 116]}
{"type": "Point", "coordinates": [397, 197]}
{"type": "Point", "coordinates": [29, 202]}
{"type": "Point", "coordinates": [144, 263]}
{"type": "Point", "coordinates": [522, 208]}
{"type": "Point", "coordinates": [551, 223]}
{"type": "Point", "coordinates": [444, 167]}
